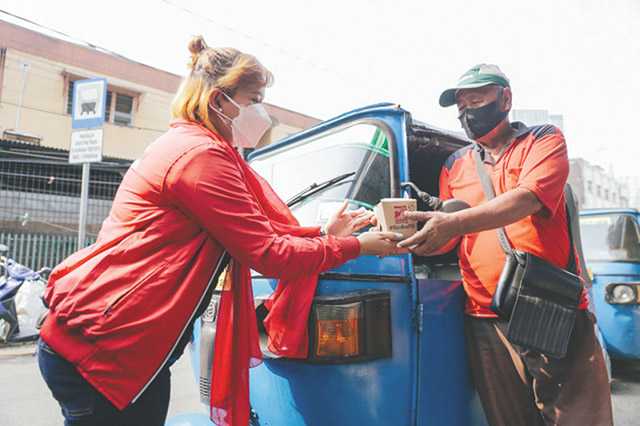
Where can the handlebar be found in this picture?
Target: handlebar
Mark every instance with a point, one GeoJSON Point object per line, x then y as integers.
{"type": "Point", "coordinates": [10, 268]}
{"type": "Point", "coordinates": [44, 272]}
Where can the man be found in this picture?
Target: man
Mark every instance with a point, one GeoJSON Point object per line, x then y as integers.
{"type": "Point", "coordinates": [528, 167]}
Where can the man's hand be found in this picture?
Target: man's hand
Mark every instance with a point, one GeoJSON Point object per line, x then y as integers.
{"type": "Point", "coordinates": [439, 229]}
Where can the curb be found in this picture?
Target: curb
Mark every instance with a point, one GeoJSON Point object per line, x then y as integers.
{"type": "Point", "coordinates": [21, 349]}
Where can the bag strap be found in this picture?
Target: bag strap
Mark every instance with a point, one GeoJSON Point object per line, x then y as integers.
{"type": "Point", "coordinates": [574, 234]}
{"type": "Point", "coordinates": [490, 193]}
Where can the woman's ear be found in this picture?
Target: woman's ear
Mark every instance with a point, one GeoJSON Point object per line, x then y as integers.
{"type": "Point", "coordinates": [215, 99]}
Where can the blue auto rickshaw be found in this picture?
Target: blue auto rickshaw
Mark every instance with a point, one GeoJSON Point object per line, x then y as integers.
{"type": "Point", "coordinates": [611, 243]}
{"type": "Point", "coordinates": [386, 335]}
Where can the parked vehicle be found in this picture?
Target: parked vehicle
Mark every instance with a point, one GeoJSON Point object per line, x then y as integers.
{"type": "Point", "coordinates": [21, 303]}
{"type": "Point", "coordinates": [611, 241]}
{"type": "Point", "coordinates": [386, 343]}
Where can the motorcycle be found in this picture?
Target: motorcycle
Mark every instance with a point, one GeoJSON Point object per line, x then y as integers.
{"type": "Point", "coordinates": [21, 305]}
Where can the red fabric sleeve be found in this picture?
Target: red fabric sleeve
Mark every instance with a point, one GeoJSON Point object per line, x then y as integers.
{"type": "Point", "coordinates": [310, 230]}
{"type": "Point", "coordinates": [208, 185]}
{"type": "Point", "coordinates": [545, 171]}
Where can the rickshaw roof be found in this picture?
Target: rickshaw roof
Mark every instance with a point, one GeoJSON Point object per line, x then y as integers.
{"type": "Point", "coordinates": [603, 211]}
{"type": "Point", "coordinates": [364, 112]}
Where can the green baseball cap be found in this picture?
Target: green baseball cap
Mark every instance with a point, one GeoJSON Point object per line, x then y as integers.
{"type": "Point", "coordinates": [479, 76]}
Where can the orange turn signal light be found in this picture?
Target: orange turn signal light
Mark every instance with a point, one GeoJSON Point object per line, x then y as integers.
{"type": "Point", "coordinates": [338, 331]}
{"type": "Point", "coordinates": [350, 327]}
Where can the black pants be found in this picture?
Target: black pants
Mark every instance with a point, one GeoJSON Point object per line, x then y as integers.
{"type": "Point", "coordinates": [82, 405]}
{"type": "Point", "coordinates": [525, 388]}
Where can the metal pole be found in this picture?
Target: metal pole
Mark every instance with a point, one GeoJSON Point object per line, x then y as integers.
{"type": "Point", "coordinates": [84, 202]}
{"type": "Point", "coordinates": [25, 69]}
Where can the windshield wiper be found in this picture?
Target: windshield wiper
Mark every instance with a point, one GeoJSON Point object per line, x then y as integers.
{"type": "Point", "coordinates": [314, 188]}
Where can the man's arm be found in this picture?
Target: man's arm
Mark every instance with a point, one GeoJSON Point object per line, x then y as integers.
{"type": "Point", "coordinates": [501, 211]}
{"type": "Point", "coordinates": [439, 228]}
{"type": "Point", "coordinates": [539, 191]}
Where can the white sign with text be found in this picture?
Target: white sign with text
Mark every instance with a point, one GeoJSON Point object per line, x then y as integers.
{"type": "Point", "coordinates": [86, 146]}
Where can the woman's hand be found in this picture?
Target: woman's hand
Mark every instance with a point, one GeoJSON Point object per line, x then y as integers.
{"type": "Point", "coordinates": [380, 243]}
{"type": "Point", "coordinates": [343, 223]}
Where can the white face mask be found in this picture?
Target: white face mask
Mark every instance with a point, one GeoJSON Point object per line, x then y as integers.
{"type": "Point", "coordinates": [250, 125]}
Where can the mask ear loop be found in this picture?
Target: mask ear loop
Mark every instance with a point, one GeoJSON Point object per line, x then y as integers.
{"type": "Point", "coordinates": [218, 109]}
{"type": "Point", "coordinates": [220, 113]}
{"type": "Point", "coordinates": [230, 99]}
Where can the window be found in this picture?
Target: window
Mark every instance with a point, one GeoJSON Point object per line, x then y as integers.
{"type": "Point", "coordinates": [107, 113]}
{"type": "Point", "coordinates": [614, 238]}
{"type": "Point", "coordinates": [590, 186]}
{"type": "Point", "coordinates": [598, 190]}
{"type": "Point", "coordinates": [123, 114]}
{"type": "Point", "coordinates": [70, 96]}
{"type": "Point", "coordinates": [122, 110]}
{"type": "Point", "coordinates": [361, 149]}
{"type": "Point", "coordinates": [606, 194]}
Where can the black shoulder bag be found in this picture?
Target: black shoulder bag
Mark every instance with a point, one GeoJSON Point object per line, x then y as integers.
{"type": "Point", "coordinates": [539, 299]}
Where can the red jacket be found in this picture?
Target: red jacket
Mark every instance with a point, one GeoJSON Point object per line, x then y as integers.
{"type": "Point", "coordinates": [119, 307]}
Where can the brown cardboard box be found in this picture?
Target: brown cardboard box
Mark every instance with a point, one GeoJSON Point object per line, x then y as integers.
{"type": "Point", "coordinates": [389, 214]}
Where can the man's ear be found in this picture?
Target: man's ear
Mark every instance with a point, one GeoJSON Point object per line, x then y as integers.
{"type": "Point", "coordinates": [506, 99]}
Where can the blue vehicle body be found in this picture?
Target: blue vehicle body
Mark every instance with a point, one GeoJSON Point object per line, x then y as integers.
{"type": "Point", "coordinates": [619, 323]}
{"type": "Point", "coordinates": [425, 381]}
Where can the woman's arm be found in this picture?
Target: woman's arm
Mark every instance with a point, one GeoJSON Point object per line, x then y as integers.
{"type": "Point", "coordinates": [208, 186]}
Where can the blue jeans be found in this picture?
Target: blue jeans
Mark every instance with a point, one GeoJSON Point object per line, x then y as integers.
{"type": "Point", "coordinates": [82, 405]}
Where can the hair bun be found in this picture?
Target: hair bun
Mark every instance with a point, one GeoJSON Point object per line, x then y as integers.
{"type": "Point", "coordinates": [197, 45]}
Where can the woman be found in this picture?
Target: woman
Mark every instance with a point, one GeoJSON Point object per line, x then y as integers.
{"type": "Point", "coordinates": [121, 310]}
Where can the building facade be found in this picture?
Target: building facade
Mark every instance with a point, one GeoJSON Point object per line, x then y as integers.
{"type": "Point", "coordinates": [595, 187]}
{"type": "Point", "coordinates": [534, 117]}
{"type": "Point", "coordinates": [633, 183]}
{"type": "Point", "coordinates": [37, 74]}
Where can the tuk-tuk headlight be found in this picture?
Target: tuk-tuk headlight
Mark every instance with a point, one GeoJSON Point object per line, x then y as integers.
{"type": "Point", "coordinates": [622, 294]}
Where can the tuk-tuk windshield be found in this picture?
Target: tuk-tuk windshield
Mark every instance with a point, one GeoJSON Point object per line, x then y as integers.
{"type": "Point", "coordinates": [610, 238]}
{"type": "Point", "coordinates": [362, 148]}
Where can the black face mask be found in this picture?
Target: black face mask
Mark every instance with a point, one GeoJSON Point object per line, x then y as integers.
{"type": "Point", "coordinates": [477, 122]}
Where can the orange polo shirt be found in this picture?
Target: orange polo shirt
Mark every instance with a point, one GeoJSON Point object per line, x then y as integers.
{"type": "Point", "coordinates": [536, 160]}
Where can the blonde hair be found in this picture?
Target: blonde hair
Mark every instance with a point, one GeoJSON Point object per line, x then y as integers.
{"type": "Point", "coordinates": [225, 69]}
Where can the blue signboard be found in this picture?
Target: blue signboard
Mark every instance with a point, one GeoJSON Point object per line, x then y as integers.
{"type": "Point", "coordinates": [89, 103]}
